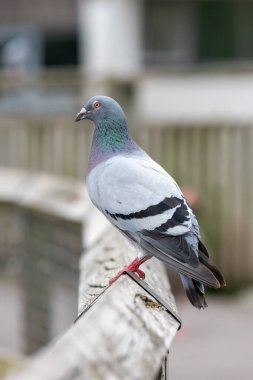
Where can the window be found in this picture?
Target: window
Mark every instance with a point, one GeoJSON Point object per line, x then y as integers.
{"type": "Point", "coordinates": [170, 32]}
{"type": "Point", "coordinates": [216, 30]}
{"type": "Point", "coordinates": [197, 31]}
{"type": "Point", "coordinates": [60, 50]}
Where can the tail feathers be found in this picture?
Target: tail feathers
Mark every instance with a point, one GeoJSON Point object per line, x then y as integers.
{"type": "Point", "coordinates": [215, 271]}
{"type": "Point", "coordinates": [195, 292]}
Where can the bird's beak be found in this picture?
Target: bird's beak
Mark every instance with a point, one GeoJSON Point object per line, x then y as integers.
{"type": "Point", "coordinates": [81, 115]}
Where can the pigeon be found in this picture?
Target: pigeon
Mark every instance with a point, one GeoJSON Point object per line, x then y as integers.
{"type": "Point", "coordinates": [144, 202]}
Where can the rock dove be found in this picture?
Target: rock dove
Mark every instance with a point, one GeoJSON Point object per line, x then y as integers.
{"type": "Point", "coordinates": [144, 202]}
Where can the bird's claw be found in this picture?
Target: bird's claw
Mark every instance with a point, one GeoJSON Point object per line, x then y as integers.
{"type": "Point", "coordinates": [133, 267]}
{"type": "Point", "coordinates": [140, 273]}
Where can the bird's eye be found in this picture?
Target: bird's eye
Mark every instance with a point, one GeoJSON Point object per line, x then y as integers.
{"type": "Point", "coordinates": [96, 104]}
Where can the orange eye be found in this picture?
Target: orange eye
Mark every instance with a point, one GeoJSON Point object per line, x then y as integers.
{"type": "Point", "coordinates": [96, 104]}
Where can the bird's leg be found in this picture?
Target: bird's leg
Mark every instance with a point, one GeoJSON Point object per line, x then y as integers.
{"type": "Point", "coordinates": [132, 267]}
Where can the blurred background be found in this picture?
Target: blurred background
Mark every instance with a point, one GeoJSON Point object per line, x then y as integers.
{"type": "Point", "coordinates": [183, 71]}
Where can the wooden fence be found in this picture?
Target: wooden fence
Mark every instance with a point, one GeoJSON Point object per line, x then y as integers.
{"type": "Point", "coordinates": [55, 145]}
{"type": "Point", "coordinates": [214, 160]}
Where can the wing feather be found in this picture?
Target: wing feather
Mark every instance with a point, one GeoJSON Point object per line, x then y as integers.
{"type": "Point", "coordinates": [200, 273]}
{"type": "Point", "coordinates": [145, 203]}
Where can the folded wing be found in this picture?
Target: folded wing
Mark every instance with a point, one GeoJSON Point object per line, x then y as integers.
{"type": "Point", "coordinates": [146, 204]}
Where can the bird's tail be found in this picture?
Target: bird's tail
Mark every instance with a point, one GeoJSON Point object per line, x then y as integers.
{"type": "Point", "coordinates": [204, 259]}
{"type": "Point", "coordinates": [195, 291]}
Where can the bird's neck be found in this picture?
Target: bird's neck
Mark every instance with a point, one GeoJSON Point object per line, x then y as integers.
{"type": "Point", "coordinates": [110, 134]}
{"type": "Point", "coordinates": [111, 137]}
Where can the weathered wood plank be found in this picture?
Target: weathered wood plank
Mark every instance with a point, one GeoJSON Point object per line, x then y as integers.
{"type": "Point", "coordinates": [105, 259]}
{"type": "Point", "coordinates": [41, 242]}
{"type": "Point", "coordinates": [121, 337]}
{"type": "Point", "coordinates": [123, 332]}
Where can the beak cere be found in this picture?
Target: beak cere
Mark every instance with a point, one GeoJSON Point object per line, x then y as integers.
{"type": "Point", "coordinates": [81, 115]}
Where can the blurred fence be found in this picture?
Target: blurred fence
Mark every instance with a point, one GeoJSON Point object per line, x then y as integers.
{"type": "Point", "coordinates": [51, 144]}
{"type": "Point", "coordinates": [41, 221]}
{"type": "Point", "coordinates": [215, 160]}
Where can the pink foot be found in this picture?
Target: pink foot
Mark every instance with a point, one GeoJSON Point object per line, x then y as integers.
{"type": "Point", "coordinates": [132, 267]}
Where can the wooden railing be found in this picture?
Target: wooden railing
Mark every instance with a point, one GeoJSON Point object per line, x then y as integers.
{"type": "Point", "coordinates": [121, 332]}
{"type": "Point", "coordinates": [40, 246]}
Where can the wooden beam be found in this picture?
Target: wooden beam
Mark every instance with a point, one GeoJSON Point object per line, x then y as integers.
{"type": "Point", "coordinates": [123, 332]}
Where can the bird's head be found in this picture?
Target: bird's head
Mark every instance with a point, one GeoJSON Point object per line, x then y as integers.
{"type": "Point", "coordinates": [100, 108]}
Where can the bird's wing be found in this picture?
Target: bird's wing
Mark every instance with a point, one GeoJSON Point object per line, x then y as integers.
{"type": "Point", "coordinates": [139, 194]}
{"type": "Point", "coordinates": [146, 205]}
{"type": "Point", "coordinates": [140, 198]}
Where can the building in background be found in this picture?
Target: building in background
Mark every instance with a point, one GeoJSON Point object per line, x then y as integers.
{"type": "Point", "coordinates": [184, 53]}
{"type": "Point", "coordinates": [200, 31]}
{"type": "Point", "coordinates": [54, 22]}
{"type": "Point", "coordinates": [165, 32]}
